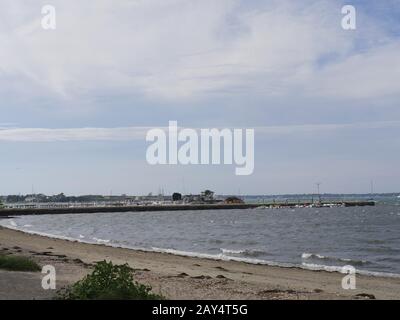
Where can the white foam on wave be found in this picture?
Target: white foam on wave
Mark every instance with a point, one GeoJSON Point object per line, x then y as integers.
{"type": "Point", "coordinates": [222, 256]}
{"type": "Point", "coordinates": [231, 251]}
{"type": "Point", "coordinates": [319, 267]}
{"type": "Point", "coordinates": [101, 240]}
{"type": "Point", "coordinates": [244, 252]}
{"type": "Point", "coordinates": [38, 233]}
{"type": "Point", "coordinates": [309, 255]}
{"type": "Point", "coordinates": [306, 256]}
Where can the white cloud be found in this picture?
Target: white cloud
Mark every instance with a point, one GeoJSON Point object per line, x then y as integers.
{"type": "Point", "coordinates": [176, 49]}
{"type": "Point", "coordinates": [296, 129]}
{"type": "Point", "coordinates": [139, 133]}
{"type": "Point", "coordinates": [372, 74]}
{"type": "Point", "coordinates": [73, 134]}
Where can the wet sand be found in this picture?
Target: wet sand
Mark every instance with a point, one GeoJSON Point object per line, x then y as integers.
{"type": "Point", "coordinates": [178, 277]}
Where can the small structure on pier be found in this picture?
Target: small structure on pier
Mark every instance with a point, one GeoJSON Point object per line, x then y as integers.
{"type": "Point", "coordinates": [233, 200]}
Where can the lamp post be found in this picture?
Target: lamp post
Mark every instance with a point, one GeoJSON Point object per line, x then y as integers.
{"type": "Point", "coordinates": [319, 195]}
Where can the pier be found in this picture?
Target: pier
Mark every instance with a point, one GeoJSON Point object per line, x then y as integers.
{"type": "Point", "coordinates": [186, 207]}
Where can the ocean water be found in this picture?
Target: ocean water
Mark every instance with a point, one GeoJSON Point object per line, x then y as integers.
{"type": "Point", "coordinates": [367, 238]}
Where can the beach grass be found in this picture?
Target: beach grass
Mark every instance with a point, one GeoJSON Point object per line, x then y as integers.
{"type": "Point", "coordinates": [18, 263]}
{"type": "Point", "coordinates": [108, 282]}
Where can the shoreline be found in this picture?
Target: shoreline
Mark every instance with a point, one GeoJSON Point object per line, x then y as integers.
{"type": "Point", "coordinates": [213, 257]}
{"type": "Point", "coordinates": [183, 277]}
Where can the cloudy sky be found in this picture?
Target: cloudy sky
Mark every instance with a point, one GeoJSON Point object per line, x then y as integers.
{"type": "Point", "coordinates": [76, 102]}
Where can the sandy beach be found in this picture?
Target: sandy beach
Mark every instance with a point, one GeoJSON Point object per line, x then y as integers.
{"type": "Point", "coordinates": [178, 277]}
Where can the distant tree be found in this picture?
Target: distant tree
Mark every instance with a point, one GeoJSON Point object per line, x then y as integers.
{"type": "Point", "coordinates": [177, 196]}
{"type": "Point", "coordinates": [60, 198]}
{"type": "Point", "coordinates": [15, 198]}
{"type": "Point", "coordinates": [207, 195]}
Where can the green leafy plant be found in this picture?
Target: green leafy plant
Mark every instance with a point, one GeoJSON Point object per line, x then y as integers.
{"type": "Point", "coordinates": [108, 282]}
{"type": "Point", "coordinates": [18, 263]}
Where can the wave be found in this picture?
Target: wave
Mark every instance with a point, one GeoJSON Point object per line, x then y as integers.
{"type": "Point", "coordinates": [315, 256]}
{"type": "Point", "coordinates": [382, 249]}
{"type": "Point", "coordinates": [232, 251]}
{"type": "Point", "coordinates": [389, 259]}
{"type": "Point", "coordinates": [221, 257]}
{"type": "Point", "coordinates": [244, 252]}
{"type": "Point", "coordinates": [100, 240]}
{"type": "Point", "coordinates": [319, 267]}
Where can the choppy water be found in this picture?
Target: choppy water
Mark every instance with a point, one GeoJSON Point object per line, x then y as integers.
{"type": "Point", "coordinates": [366, 237]}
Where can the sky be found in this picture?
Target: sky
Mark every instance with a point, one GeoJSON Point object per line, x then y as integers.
{"type": "Point", "coordinates": [76, 102]}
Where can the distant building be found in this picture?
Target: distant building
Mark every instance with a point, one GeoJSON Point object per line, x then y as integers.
{"type": "Point", "coordinates": [30, 199]}
{"type": "Point", "coordinates": [191, 198]}
{"type": "Point", "coordinates": [233, 200]}
{"type": "Point", "coordinates": [206, 197]}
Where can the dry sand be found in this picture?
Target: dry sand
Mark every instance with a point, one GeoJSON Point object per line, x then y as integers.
{"type": "Point", "coordinates": [178, 277]}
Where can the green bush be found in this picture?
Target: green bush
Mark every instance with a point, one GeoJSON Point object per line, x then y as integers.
{"type": "Point", "coordinates": [108, 282]}
{"type": "Point", "coordinates": [17, 263]}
